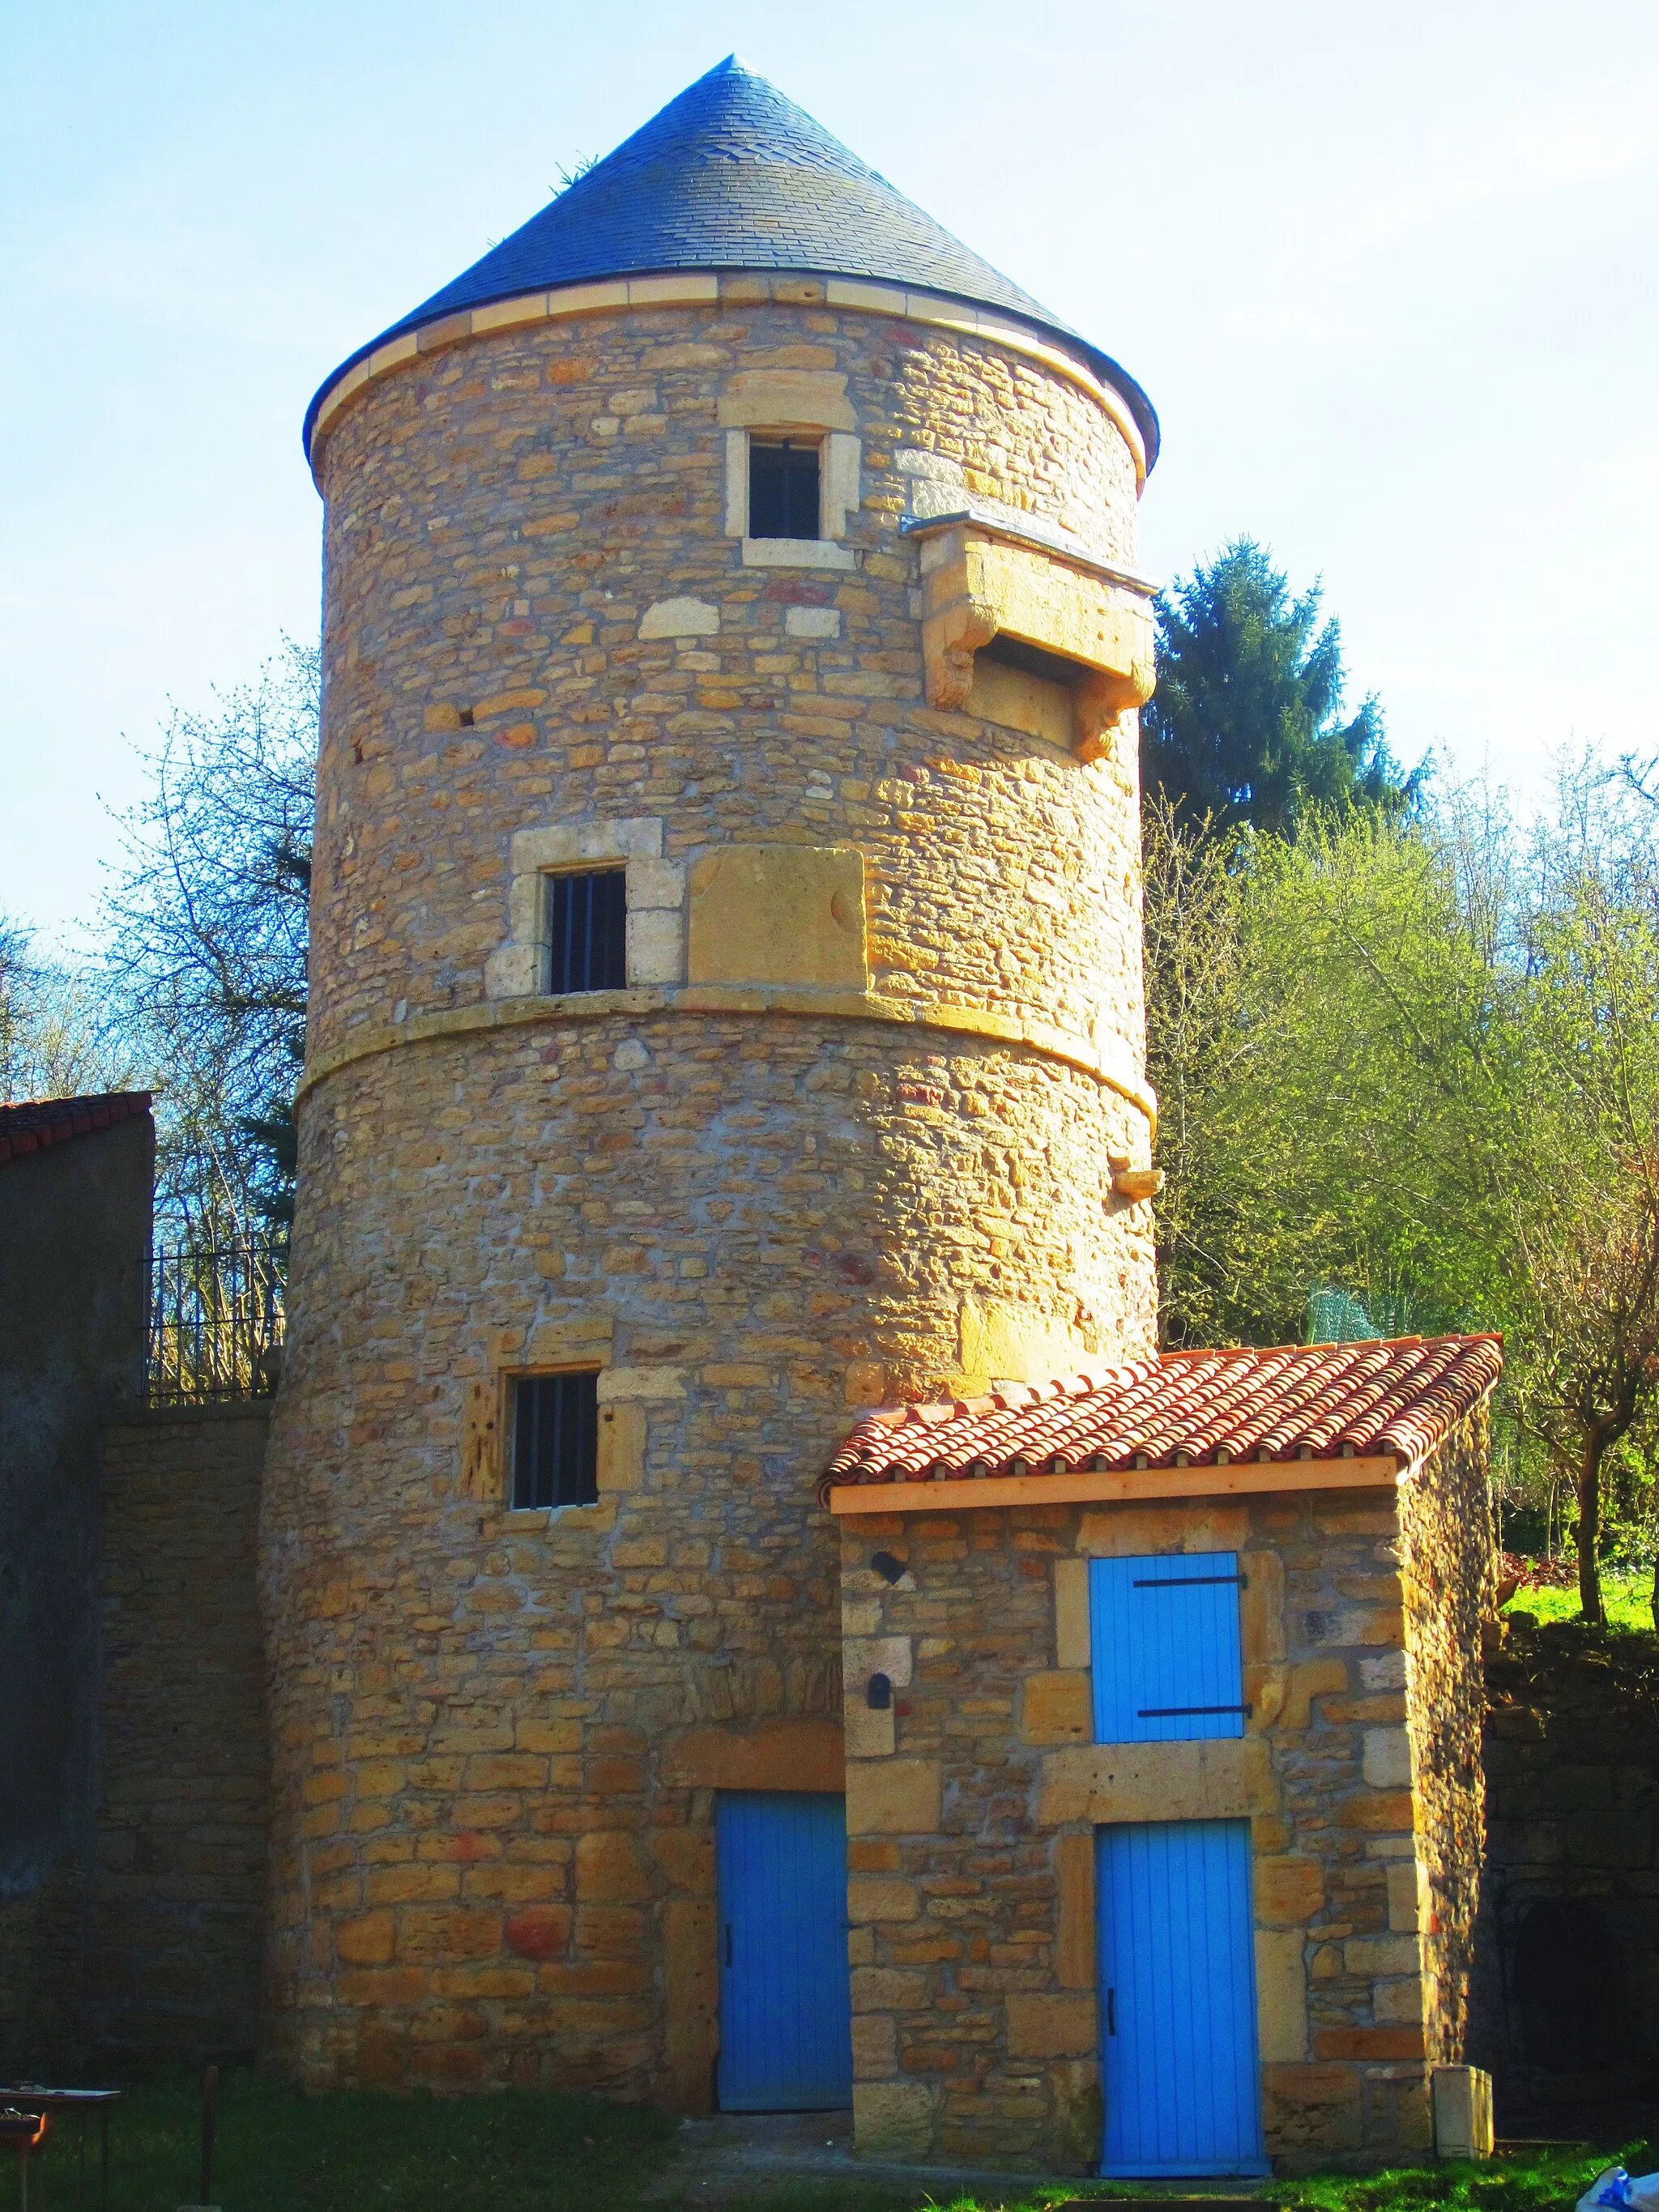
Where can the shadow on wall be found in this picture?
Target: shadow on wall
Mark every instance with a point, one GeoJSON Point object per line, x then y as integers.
{"type": "Point", "coordinates": [1566, 2009]}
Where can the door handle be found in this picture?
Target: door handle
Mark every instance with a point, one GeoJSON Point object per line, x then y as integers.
{"type": "Point", "coordinates": [728, 1943]}
{"type": "Point", "coordinates": [1111, 2012]}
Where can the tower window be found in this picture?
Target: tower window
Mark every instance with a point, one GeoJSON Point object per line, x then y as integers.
{"type": "Point", "coordinates": [588, 930]}
{"type": "Point", "coordinates": [556, 1440]}
{"type": "Point", "coordinates": [783, 488]}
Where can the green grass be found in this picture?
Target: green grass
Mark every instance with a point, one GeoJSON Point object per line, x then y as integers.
{"type": "Point", "coordinates": [1627, 1594]}
{"type": "Point", "coordinates": [364, 2152]}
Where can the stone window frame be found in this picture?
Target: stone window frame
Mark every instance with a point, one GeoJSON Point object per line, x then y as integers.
{"type": "Point", "coordinates": [804, 404]}
{"type": "Point", "coordinates": [582, 1344]}
{"type": "Point", "coordinates": [654, 892]}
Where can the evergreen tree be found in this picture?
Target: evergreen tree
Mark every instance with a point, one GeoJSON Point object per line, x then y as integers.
{"type": "Point", "coordinates": [1247, 725]}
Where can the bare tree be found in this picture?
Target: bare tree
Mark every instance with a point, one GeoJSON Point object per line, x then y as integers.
{"type": "Point", "coordinates": [208, 939]}
{"type": "Point", "coordinates": [1590, 1374]}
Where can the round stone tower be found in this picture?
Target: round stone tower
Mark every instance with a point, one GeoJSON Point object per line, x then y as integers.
{"type": "Point", "coordinates": [726, 1016]}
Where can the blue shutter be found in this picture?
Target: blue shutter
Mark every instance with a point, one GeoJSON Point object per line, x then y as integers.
{"type": "Point", "coordinates": [786, 2004]}
{"type": "Point", "coordinates": [1177, 1999]}
{"type": "Point", "coordinates": [1166, 1654]}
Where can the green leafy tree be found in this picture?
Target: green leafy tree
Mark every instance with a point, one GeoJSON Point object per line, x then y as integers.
{"type": "Point", "coordinates": [1418, 1062]}
{"type": "Point", "coordinates": [1247, 724]}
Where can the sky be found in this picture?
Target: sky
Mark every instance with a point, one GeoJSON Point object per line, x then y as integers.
{"type": "Point", "coordinates": [1388, 274]}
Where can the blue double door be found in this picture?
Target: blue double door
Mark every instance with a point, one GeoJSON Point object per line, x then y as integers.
{"type": "Point", "coordinates": [786, 2009]}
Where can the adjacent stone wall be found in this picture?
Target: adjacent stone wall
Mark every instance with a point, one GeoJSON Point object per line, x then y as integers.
{"type": "Point", "coordinates": [74, 1240]}
{"type": "Point", "coordinates": [1566, 2012]}
{"type": "Point", "coordinates": [497, 1736]}
{"type": "Point", "coordinates": [176, 1897]}
{"type": "Point", "coordinates": [972, 1806]}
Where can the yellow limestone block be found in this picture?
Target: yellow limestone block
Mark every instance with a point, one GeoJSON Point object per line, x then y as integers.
{"type": "Point", "coordinates": [978, 586]}
{"type": "Point", "coordinates": [778, 914]}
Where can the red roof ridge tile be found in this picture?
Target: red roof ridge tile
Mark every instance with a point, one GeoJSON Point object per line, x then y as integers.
{"type": "Point", "coordinates": [33, 1125]}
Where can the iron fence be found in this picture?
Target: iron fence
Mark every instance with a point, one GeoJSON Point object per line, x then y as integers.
{"type": "Point", "coordinates": [216, 1321]}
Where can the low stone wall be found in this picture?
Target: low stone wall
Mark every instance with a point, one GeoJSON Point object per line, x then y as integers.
{"type": "Point", "coordinates": [1566, 2012]}
{"type": "Point", "coordinates": [176, 1897]}
{"type": "Point", "coordinates": [972, 1804]}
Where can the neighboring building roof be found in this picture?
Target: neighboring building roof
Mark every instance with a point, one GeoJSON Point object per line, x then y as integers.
{"type": "Point", "coordinates": [734, 175]}
{"type": "Point", "coordinates": [1188, 1408]}
{"type": "Point", "coordinates": [33, 1124]}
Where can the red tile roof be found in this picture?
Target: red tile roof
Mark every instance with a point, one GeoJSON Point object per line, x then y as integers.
{"type": "Point", "coordinates": [34, 1123]}
{"type": "Point", "coordinates": [1188, 1408]}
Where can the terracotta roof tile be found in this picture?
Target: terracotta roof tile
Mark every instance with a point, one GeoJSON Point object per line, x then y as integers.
{"type": "Point", "coordinates": [1188, 1408]}
{"type": "Point", "coordinates": [33, 1124]}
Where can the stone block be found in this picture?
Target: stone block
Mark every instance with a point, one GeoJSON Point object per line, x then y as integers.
{"type": "Point", "coordinates": [878, 1897]}
{"type": "Point", "coordinates": [655, 1384]}
{"type": "Point", "coordinates": [871, 1732]}
{"type": "Point", "coordinates": [1399, 2004]}
{"type": "Point", "coordinates": [1055, 1708]}
{"type": "Point", "coordinates": [1387, 1763]}
{"type": "Point", "coordinates": [1369, 1955]}
{"type": "Point", "coordinates": [865, 1656]}
{"type": "Point", "coordinates": [1407, 1886]}
{"type": "Point", "coordinates": [811, 621]}
{"type": "Point", "coordinates": [366, 1939]}
{"type": "Point", "coordinates": [889, 1988]}
{"type": "Point", "coordinates": [789, 915]}
{"type": "Point", "coordinates": [1311, 2111]}
{"type": "Point", "coordinates": [656, 946]}
{"type": "Point", "coordinates": [781, 1755]}
{"type": "Point", "coordinates": [656, 885]}
{"type": "Point", "coordinates": [1369, 2044]}
{"type": "Point", "coordinates": [1281, 1996]}
{"type": "Point", "coordinates": [1048, 2027]}
{"type": "Point", "coordinates": [1116, 1532]}
{"type": "Point", "coordinates": [1075, 1954]}
{"type": "Point", "coordinates": [682, 617]}
{"type": "Point", "coordinates": [875, 2047]}
{"type": "Point", "coordinates": [620, 1461]}
{"type": "Point", "coordinates": [609, 1866]}
{"type": "Point", "coordinates": [1288, 1891]}
{"type": "Point", "coordinates": [1305, 1681]}
{"type": "Point", "coordinates": [1225, 1778]}
{"type": "Point", "coordinates": [1000, 1338]}
{"type": "Point", "coordinates": [894, 1796]}
{"type": "Point", "coordinates": [1463, 2112]}
{"type": "Point", "coordinates": [1072, 1640]}
{"type": "Point", "coordinates": [785, 399]}
{"type": "Point", "coordinates": [892, 2119]}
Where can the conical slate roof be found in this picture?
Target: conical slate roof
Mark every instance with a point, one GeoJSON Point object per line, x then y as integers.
{"type": "Point", "coordinates": [734, 175]}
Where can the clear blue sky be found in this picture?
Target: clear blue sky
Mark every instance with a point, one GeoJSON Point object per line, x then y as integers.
{"type": "Point", "coordinates": [1388, 274]}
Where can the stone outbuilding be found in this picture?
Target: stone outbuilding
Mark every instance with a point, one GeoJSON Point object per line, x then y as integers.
{"type": "Point", "coordinates": [1164, 1799]}
{"type": "Point", "coordinates": [727, 1018]}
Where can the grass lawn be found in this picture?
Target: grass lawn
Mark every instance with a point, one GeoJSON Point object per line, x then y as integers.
{"type": "Point", "coordinates": [1627, 1594]}
{"type": "Point", "coordinates": [364, 2152]}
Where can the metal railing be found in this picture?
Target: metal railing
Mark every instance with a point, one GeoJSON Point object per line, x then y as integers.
{"type": "Point", "coordinates": [216, 1321]}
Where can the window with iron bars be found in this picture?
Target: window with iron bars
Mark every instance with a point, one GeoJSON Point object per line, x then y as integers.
{"type": "Point", "coordinates": [588, 930]}
{"type": "Point", "coordinates": [555, 1440]}
{"type": "Point", "coordinates": [784, 497]}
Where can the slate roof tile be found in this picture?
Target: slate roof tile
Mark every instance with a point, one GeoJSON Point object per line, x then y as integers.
{"type": "Point", "coordinates": [33, 1124]}
{"type": "Point", "coordinates": [1194, 1408]}
{"type": "Point", "coordinates": [732, 174]}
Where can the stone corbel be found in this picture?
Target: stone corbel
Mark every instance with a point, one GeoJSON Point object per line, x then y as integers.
{"type": "Point", "coordinates": [978, 584]}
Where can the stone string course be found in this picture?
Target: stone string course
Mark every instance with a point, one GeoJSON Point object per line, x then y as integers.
{"type": "Point", "coordinates": [497, 1737]}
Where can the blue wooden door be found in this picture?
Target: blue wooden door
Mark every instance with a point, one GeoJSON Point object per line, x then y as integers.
{"type": "Point", "coordinates": [1168, 1661]}
{"type": "Point", "coordinates": [786, 2009]}
{"type": "Point", "coordinates": [1177, 1999]}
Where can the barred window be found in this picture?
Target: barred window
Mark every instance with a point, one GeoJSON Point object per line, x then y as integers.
{"type": "Point", "coordinates": [556, 1440]}
{"type": "Point", "coordinates": [588, 930]}
{"type": "Point", "coordinates": [783, 488]}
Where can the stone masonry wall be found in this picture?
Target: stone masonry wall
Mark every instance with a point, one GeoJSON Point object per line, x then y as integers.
{"type": "Point", "coordinates": [176, 1896]}
{"type": "Point", "coordinates": [972, 1806]}
{"type": "Point", "coordinates": [1447, 1573]}
{"type": "Point", "coordinates": [498, 1736]}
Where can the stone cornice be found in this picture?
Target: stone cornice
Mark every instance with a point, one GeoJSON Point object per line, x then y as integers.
{"type": "Point", "coordinates": [707, 287]}
{"type": "Point", "coordinates": [1045, 538]}
{"type": "Point", "coordinates": [698, 999]}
